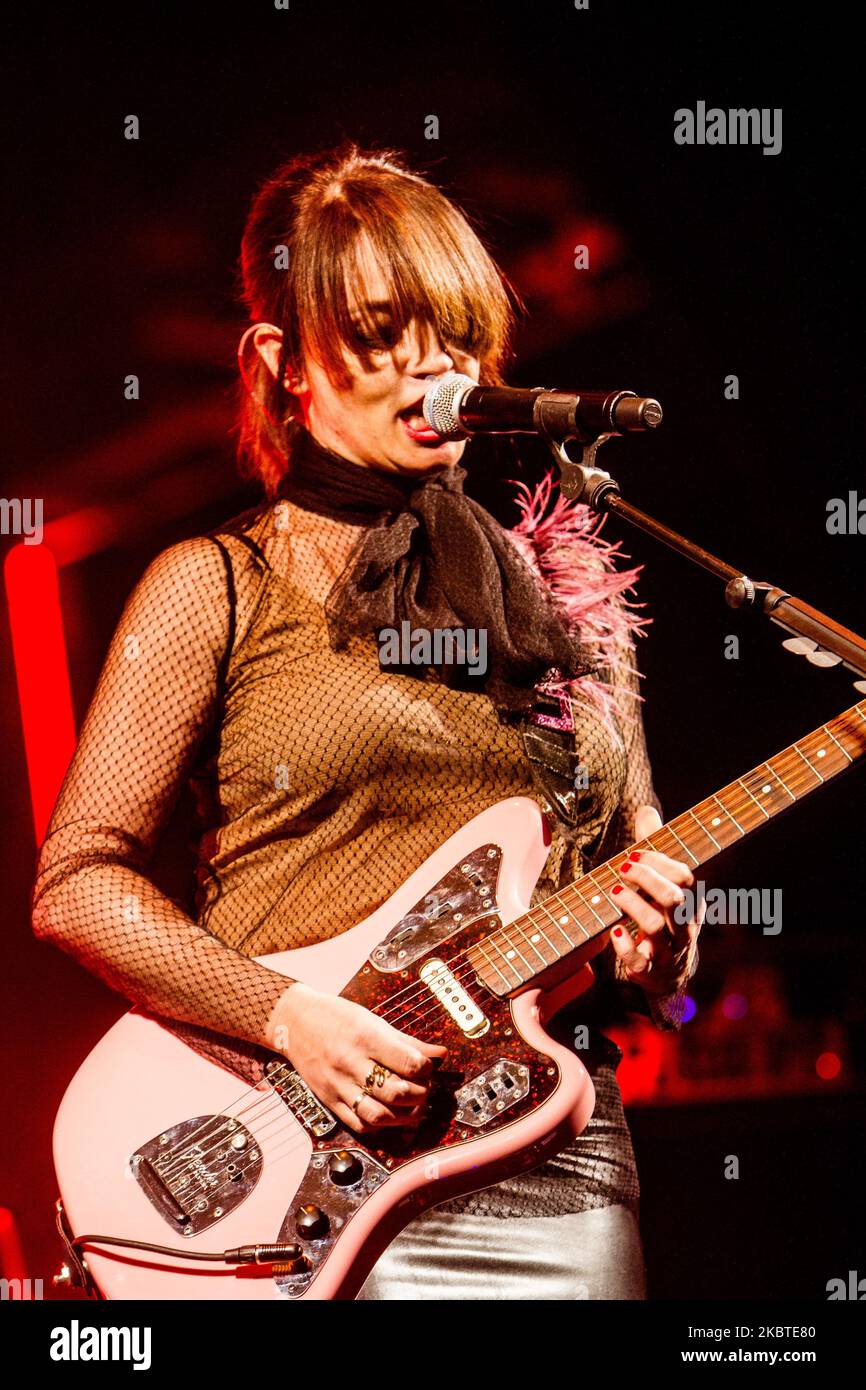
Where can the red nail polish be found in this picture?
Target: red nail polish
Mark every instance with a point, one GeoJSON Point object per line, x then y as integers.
{"type": "Point", "coordinates": [636, 854]}
{"type": "Point", "coordinates": [617, 931]}
{"type": "Point", "coordinates": [624, 868]}
{"type": "Point", "coordinates": [617, 888]}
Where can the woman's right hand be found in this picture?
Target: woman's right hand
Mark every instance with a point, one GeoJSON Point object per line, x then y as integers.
{"type": "Point", "coordinates": [333, 1043]}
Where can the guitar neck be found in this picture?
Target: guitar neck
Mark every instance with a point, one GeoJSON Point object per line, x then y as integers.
{"type": "Point", "coordinates": [514, 956]}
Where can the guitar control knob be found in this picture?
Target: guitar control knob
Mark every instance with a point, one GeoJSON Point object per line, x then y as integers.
{"type": "Point", "coordinates": [345, 1168]}
{"type": "Point", "coordinates": [311, 1222]}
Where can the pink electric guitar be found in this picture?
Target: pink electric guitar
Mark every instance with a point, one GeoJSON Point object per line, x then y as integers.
{"type": "Point", "coordinates": [157, 1146]}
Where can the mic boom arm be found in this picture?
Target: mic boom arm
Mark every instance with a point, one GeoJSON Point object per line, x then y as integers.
{"type": "Point", "coordinates": [819, 638]}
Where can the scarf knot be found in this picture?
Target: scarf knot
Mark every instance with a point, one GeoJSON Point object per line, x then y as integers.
{"type": "Point", "coordinates": [435, 559]}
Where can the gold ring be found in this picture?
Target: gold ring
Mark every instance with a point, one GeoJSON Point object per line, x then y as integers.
{"type": "Point", "coordinates": [358, 1098]}
{"type": "Point", "coordinates": [377, 1075]}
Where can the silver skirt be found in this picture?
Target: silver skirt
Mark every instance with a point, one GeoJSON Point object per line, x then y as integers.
{"type": "Point", "coordinates": [445, 1255]}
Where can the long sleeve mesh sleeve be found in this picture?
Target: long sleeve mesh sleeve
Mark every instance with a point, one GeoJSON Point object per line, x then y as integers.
{"type": "Point", "coordinates": [664, 1010]}
{"type": "Point", "coordinates": [154, 701]}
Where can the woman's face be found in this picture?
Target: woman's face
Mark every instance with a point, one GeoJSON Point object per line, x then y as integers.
{"type": "Point", "coordinates": [377, 421]}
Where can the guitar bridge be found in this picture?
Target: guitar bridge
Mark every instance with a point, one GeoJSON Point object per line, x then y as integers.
{"type": "Point", "coordinates": [198, 1171]}
{"type": "Point", "coordinates": [303, 1103]}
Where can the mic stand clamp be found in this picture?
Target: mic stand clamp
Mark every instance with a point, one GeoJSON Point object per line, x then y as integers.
{"type": "Point", "coordinates": [583, 481]}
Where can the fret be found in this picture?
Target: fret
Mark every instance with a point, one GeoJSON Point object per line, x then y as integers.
{"type": "Point", "coordinates": [664, 842]}
{"type": "Point", "coordinates": [746, 810]}
{"type": "Point", "coordinates": [513, 951]}
{"type": "Point", "coordinates": [797, 749]}
{"type": "Point", "coordinates": [507, 952]}
{"type": "Point", "coordinates": [531, 940]}
{"type": "Point", "coordinates": [505, 957]}
{"type": "Point", "coordinates": [739, 820]}
{"type": "Point", "coordinates": [852, 730]}
{"type": "Point", "coordinates": [570, 914]}
{"type": "Point", "coordinates": [714, 846]}
{"type": "Point", "coordinates": [767, 790]}
{"type": "Point", "coordinates": [557, 955]}
{"type": "Point", "coordinates": [604, 893]}
{"type": "Point", "coordinates": [681, 841]}
{"type": "Point", "coordinates": [720, 822]}
{"type": "Point", "coordinates": [798, 784]}
{"type": "Point", "coordinates": [831, 735]}
{"type": "Point", "coordinates": [770, 782]}
{"type": "Point", "coordinates": [589, 902]}
{"type": "Point", "coordinates": [542, 907]}
{"type": "Point", "coordinates": [762, 810]}
{"type": "Point", "coordinates": [672, 845]}
{"type": "Point", "coordinates": [480, 946]}
{"type": "Point", "coordinates": [722, 819]}
{"type": "Point", "coordinates": [826, 755]}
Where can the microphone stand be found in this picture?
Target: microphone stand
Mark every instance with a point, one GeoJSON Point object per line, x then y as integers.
{"type": "Point", "coordinates": [818, 637]}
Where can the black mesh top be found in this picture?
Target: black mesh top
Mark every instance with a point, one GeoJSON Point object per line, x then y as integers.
{"type": "Point", "coordinates": [322, 781]}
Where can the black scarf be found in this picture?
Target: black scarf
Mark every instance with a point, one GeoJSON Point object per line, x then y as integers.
{"type": "Point", "coordinates": [434, 558]}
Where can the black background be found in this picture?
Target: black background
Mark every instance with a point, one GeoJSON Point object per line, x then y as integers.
{"type": "Point", "coordinates": [119, 257]}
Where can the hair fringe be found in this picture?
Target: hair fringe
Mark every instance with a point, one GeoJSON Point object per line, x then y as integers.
{"type": "Point", "coordinates": [314, 205]}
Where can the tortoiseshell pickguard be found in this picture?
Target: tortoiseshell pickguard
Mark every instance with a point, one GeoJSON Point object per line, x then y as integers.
{"type": "Point", "coordinates": [424, 1017]}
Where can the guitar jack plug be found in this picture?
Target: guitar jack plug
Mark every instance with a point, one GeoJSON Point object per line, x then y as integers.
{"type": "Point", "coordinates": [288, 1256]}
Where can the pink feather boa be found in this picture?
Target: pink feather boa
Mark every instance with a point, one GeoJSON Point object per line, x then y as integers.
{"type": "Point", "coordinates": [563, 546]}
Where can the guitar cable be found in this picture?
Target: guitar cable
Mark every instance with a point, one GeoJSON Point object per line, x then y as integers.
{"type": "Point", "coordinates": [240, 1255]}
{"type": "Point", "coordinates": [277, 1253]}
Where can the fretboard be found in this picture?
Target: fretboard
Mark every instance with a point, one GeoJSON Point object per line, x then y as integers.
{"type": "Point", "coordinates": [512, 957]}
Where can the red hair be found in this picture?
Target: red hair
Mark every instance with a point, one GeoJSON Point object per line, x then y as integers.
{"type": "Point", "coordinates": [300, 256]}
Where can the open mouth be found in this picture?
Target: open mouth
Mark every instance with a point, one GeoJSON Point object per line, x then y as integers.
{"type": "Point", "coordinates": [413, 419]}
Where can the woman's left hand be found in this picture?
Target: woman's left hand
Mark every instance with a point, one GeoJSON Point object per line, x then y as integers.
{"type": "Point", "coordinates": [660, 956]}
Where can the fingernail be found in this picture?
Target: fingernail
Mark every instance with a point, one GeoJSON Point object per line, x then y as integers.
{"type": "Point", "coordinates": [624, 868]}
{"type": "Point", "coordinates": [636, 854]}
{"type": "Point", "coordinates": [617, 931]}
{"type": "Point", "coordinates": [617, 888]}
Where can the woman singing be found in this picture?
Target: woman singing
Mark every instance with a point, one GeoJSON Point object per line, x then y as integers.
{"type": "Point", "coordinates": [246, 663]}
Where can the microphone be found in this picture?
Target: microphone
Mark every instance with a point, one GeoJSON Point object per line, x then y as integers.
{"type": "Point", "coordinates": [456, 407]}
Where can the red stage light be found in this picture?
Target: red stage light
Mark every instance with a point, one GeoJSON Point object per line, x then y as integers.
{"type": "Point", "coordinates": [828, 1066]}
{"type": "Point", "coordinates": [39, 650]}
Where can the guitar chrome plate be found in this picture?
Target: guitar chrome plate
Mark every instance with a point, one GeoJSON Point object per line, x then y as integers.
{"type": "Point", "coordinates": [198, 1171]}
{"type": "Point", "coordinates": [466, 893]}
{"type": "Point", "coordinates": [487, 1095]}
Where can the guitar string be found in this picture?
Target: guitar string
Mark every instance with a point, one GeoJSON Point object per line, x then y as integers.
{"type": "Point", "coordinates": [177, 1169]}
{"type": "Point", "coordinates": [281, 1112]}
{"type": "Point", "coordinates": [738, 807]}
{"type": "Point", "coordinates": [423, 990]}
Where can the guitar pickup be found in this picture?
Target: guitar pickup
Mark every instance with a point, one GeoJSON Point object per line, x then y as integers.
{"type": "Point", "coordinates": [445, 987]}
